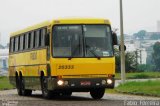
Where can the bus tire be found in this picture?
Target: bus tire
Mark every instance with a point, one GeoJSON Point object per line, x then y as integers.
{"type": "Point", "coordinates": [25, 92]}
{"type": "Point", "coordinates": [18, 86]}
{"type": "Point", "coordinates": [47, 94]}
{"type": "Point", "coordinates": [97, 93]}
{"type": "Point", "coordinates": [28, 92]}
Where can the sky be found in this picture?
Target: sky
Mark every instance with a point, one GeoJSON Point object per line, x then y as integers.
{"type": "Point", "coordinates": [18, 14]}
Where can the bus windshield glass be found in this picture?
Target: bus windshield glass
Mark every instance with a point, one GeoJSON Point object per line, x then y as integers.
{"type": "Point", "coordinates": [82, 41]}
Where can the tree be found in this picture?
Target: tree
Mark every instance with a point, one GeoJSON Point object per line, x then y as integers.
{"type": "Point", "coordinates": [141, 34]}
{"type": "Point", "coordinates": [156, 55]}
{"type": "Point", "coordinates": [155, 36]}
{"type": "Point", "coordinates": [130, 61]}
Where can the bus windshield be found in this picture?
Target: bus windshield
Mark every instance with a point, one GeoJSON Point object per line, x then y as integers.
{"type": "Point", "coordinates": [82, 41]}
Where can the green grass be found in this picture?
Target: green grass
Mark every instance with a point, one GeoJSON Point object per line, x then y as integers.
{"type": "Point", "coordinates": [151, 88]}
{"type": "Point", "coordinates": [111, 91]}
{"type": "Point", "coordinates": [141, 75]}
{"type": "Point", "coordinates": [4, 83]}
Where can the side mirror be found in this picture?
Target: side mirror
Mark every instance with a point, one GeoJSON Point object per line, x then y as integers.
{"type": "Point", "coordinates": [114, 38]}
{"type": "Point", "coordinates": [47, 39]}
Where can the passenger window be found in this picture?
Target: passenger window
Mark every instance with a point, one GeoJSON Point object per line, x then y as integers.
{"type": "Point", "coordinates": [12, 44]}
{"type": "Point", "coordinates": [37, 39]}
{"type": "Point", "coordinates": [16, 43]}
{"type": "Point", "coordinates": [32, 39]}
{"type": "Point", "coordinates": [21, 42]}
{"type": "Point", "coordinates": [26, 41]}
{"type": "Point", "coordinates": [29, 40]}
{"type": "Point", "coordinates": [43, 36]}
{"type": "Point", "coordinates": [40, 37]}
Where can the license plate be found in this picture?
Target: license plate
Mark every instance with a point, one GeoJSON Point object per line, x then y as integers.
{"type": "Point", "coordinates": [85, 83]}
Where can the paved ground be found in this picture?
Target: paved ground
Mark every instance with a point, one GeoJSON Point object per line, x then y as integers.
{"type": "Point", "coordinates": [10, 98]}
{"type": "Point", "coordinates": [77, 99]}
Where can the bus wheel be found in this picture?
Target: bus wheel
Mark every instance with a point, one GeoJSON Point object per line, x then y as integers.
{"type": "Point", "coordinates": [44, 87]}
{"type": "Point", "coordinates": [97, 93]}
{"type": "Point", "coordinates": [28, 92]}
{"type": "Point", "coordinates": [19, 91]}
{"type": "Point", "coordinates": [25, 92]}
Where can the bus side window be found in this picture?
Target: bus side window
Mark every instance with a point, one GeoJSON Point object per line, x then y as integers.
{"type": "Point", "coordinates": [40, 37]}
{"type": "Point", "coordinates": [43, 33]}
{"type": "Point", "coordinates": [21, 42]}
{"type": "Point", "coordinates": [32, 39]}
{"type": "Point", "coordinates": [37, 39]}
{"type": "Point", "coordinates": [16, 43]}
{"type": "Point", "coordinates": [12, 44]}
{"type": "Point", "coordinates": [29, 40]}
{"type": "Point", "coordinates": [26, 41]}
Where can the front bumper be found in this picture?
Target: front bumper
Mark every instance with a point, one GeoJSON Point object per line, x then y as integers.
{"type": "Point", "coordinates": [80, 83]}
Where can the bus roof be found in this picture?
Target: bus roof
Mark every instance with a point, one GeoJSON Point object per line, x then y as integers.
{"type": "Point", "coordinates": [43, 24]}
{"type": "Point", "coordinates": [63, 21]}
{"type": "Point", "coordinates": [81, 21]}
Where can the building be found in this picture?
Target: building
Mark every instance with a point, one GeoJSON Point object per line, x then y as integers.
{"type": "Point", "coordinates": [142, 56]}
{"type": "Point", "coordinates": [3, 61]}
{"type": "Point", "coordinates": [130, 47]}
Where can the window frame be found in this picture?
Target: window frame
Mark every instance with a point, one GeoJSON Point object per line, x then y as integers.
{"type": "Point", "coordinates": [84, 48]}
{"type": "Point", "coordinates": [21, 42]}
{"type": "Point", "coordinates": [16, 43]}
{"type": "Point", "coordinates": [27, 41]}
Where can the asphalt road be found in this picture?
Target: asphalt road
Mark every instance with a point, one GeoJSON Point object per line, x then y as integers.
{"type": "Point", "coordinates": [10, 98]}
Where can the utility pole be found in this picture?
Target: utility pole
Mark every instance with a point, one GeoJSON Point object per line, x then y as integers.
{"type": "Point", "coordinates": [122, 45]}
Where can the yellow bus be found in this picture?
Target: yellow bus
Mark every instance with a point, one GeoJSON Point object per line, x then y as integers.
{"type": "Point", "coordinates": [63, 56]}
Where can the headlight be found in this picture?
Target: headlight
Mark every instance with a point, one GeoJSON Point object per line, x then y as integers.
{"type": "Point", "coordinates": [109, 81]}
{"type": "Point", "coordinates": [60, 82]}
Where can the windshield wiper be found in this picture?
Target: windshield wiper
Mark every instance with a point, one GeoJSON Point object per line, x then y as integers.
{"type": "Point", "coordinates": [93, 52]}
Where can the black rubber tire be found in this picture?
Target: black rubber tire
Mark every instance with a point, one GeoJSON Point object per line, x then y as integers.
{"type": "Point", "coordinates": [47, 94]}
{"type": "Point", "coordinates": [25, 92]}
{"type": "Point", "coordinates": [18, 86]}
{"type": "Point", "coordinates": [28, 92]}
{"type": "Point", "coordinates": [97, 93]}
